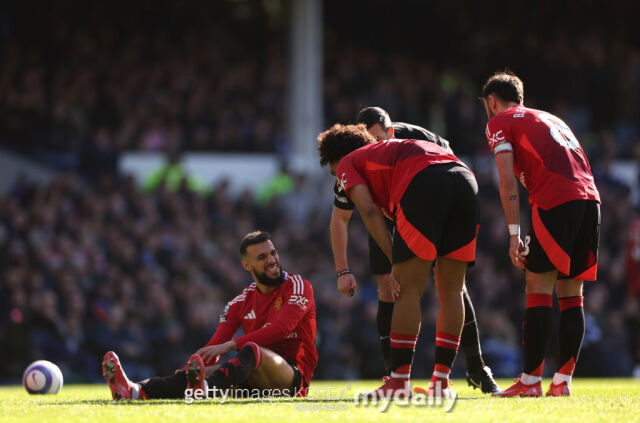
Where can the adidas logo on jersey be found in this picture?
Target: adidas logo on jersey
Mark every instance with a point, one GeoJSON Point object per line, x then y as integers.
{"type": "Point", "coordinates": [250, 315]}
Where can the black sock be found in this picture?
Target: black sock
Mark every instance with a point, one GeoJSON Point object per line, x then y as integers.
{"type": "Point", "coordinates": [446, 349]}
{"type": "Point", "coordinates": [537, 332]}
{"type": "Point", "coordinates": [165, 387]}
{"type": "Point", "coordinates": [403, 347]}
{"type": "Point", "coordinates": [236, 371]}
{"type": "Point", "coordinates": [470, 338]}
{"type": "Point", "coordinates": [570, 333]}
{"type": "Point", "coordinates": [383, 320]}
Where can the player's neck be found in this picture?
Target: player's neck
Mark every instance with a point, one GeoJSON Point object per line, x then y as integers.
{"type": "Point", "coordinates": [507, 106]}
{"type": "Point", "coordinates": [265, 289]}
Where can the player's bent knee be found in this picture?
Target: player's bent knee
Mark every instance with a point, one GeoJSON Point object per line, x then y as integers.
{"type": "Point", "coordinates": [253, 349]}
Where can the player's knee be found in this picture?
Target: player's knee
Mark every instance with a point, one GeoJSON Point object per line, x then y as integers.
{"type": "Point", "coordinates": [450, 292]}
{"type": "Point", "coordinates": [252, 351]}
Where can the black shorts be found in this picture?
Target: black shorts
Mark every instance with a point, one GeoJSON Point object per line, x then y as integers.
{"type": "Point", "coordinates": [438, 215]}
{"type": "Point", "coordinates": [378, 262]}
{"type": "Point", "coordinates": [297, 386]}
{"type": "Point", "coordinates": [565, 238]}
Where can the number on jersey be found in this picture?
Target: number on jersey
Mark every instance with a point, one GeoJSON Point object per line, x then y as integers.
{"type": "Point", "coordinates": [560, 131]}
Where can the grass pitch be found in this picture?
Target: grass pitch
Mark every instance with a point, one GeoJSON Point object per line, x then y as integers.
{"type": "Point", "coordinates": [602, 400]}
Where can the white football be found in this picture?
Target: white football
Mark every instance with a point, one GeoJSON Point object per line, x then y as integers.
{"type": "Point", "coordinates": [42, 377]}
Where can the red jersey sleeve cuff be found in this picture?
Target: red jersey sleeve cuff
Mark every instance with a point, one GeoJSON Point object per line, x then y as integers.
{"type": "Point", "coordinates": [242, 341]}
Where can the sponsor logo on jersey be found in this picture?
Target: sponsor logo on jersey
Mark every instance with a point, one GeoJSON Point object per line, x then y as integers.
{"type": "Point", "coordinates": [250, 315]}
{"type": "Point", "coordinates": [292, 335]}
{"type": "Point", "coordinates": [342, 182]}
{"type": "Point", "coordinates": [497, 137]}
{"type": "Point", "coordinates": [299, 300]}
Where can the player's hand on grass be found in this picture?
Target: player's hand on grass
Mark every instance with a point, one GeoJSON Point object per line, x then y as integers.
{"type": "Point", "coordinates": [209, 353]}
{"type": "Point", "coordinates": [516, 248]}
{"type": "Point", "coordinates": [347, 285]}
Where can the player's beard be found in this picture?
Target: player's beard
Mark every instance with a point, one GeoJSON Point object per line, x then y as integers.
{"type": "Point", "coordinates": [269, 281]}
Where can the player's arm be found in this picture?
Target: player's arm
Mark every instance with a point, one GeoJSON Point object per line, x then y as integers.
{"type": "Point", "coordinates": [293, 310]}
{"type": "Point", "coordinates": [339, 229]}
{"type": "Point", "coordinates": [220, 342]}
{"type": "Point", "coordinates": [372, 217]}
{"type": "Point", "coordinates": [509, 196]}
{"type": "Point", "coordinates": [339, 236]}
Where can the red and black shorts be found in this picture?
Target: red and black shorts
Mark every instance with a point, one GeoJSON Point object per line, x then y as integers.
{"type": "Point", "coordinates": [565, 238]}
{"type": "Point", "coordinates": [438, 215]}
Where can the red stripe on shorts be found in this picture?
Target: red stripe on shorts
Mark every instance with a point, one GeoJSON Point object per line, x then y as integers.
{"type": "Point", "coordinates": [588, 275]}
{"type": "Point", "coordinates": [416, 241]}
{"type": "Point", "coordinates": [466, 253]}
{"type": "Point", "coordinates": [558, 257]}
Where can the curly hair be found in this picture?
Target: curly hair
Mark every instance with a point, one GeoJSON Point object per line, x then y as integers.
{"type": "Point", "coordinates": [340, 140]}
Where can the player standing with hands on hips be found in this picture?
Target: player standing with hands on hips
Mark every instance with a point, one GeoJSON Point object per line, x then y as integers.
{"type": "Point", "coordinates": [561, 250]}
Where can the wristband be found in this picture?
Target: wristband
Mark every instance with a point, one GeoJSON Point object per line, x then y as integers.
{"type": "Point", "coordinates": [514, 229]}
{"type": "Point", "coordinates": [343, 272]}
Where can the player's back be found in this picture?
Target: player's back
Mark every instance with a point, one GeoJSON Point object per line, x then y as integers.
{"type": "Point", "coordinates": [407, 131]}
{"type": "Point", "coordinates": [388, 167]}
{"type": "Point", "coordinates": [548, 159]}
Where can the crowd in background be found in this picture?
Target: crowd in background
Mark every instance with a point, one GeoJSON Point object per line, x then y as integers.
{"type": "Point", "coordinates": [93, 263]}
{"type": "Point", "coordinates": [100, 79]}
{"type": "Point", "coordinates": [86, 270]}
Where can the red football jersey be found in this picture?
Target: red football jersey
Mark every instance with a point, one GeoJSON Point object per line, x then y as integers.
{"type": "Point", "coordinates": [547, 157]}
{"type": "Point", "coordinates": [388, 167]}
{"type": "Point", "coordinates": [633, 257]}
{"type": "Point", "coordinates": [283, 321]}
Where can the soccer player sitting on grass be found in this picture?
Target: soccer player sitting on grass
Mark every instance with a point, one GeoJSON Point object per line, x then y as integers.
{"type": "Point", "coordinates": [433, 199]}
{"type": "Point", "coordinates": [277, 353]}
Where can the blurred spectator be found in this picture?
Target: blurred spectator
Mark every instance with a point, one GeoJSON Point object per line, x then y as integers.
{"type": "Point", "coordinates": [80, 83]}
{"type": "Point", "coordinates": [147, 274]}
{"type": "Point", "coordinates": [104, 265]}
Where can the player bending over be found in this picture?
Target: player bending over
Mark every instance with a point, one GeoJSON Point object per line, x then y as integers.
{"type": "Point", "coordinates": [400, 179]}
{"type": "Point", "coordinates": [540, 150]}
{"type": "Point", "coordinates": [278, 316]}
{"type": "Point", "coordinates": [379, 125]}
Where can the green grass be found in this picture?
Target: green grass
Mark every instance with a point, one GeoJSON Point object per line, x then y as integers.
{"type": "Point", "coordinates": [606, 400]}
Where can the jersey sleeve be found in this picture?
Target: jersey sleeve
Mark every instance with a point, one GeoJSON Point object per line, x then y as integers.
{"type": "Point", "coordinates": [498, 135]}
{"type": "Point", "coordinates": [347, 175]}
{"type": "Point", "coordinates": [228, 326]}
{"type": "Point", "coordinates": [341, 200]}
{"type": "Point", "coordinates": [298, 302]}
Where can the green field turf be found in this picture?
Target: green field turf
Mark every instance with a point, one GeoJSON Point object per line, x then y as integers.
{"type": "Point", "coordinates": [604, 400]}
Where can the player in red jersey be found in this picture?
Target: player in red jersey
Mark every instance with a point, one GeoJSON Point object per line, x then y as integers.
{"type": "Point", "coordinates": [540, 150]}
{"type": "Point", "coordinates": [379, 125]}
{"type": "Point", "coordinates": [276, 354]}
{"type": "Point", "coordinates": [633, 281]}
{"type": "Point", "coordinates": [399, 179]}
